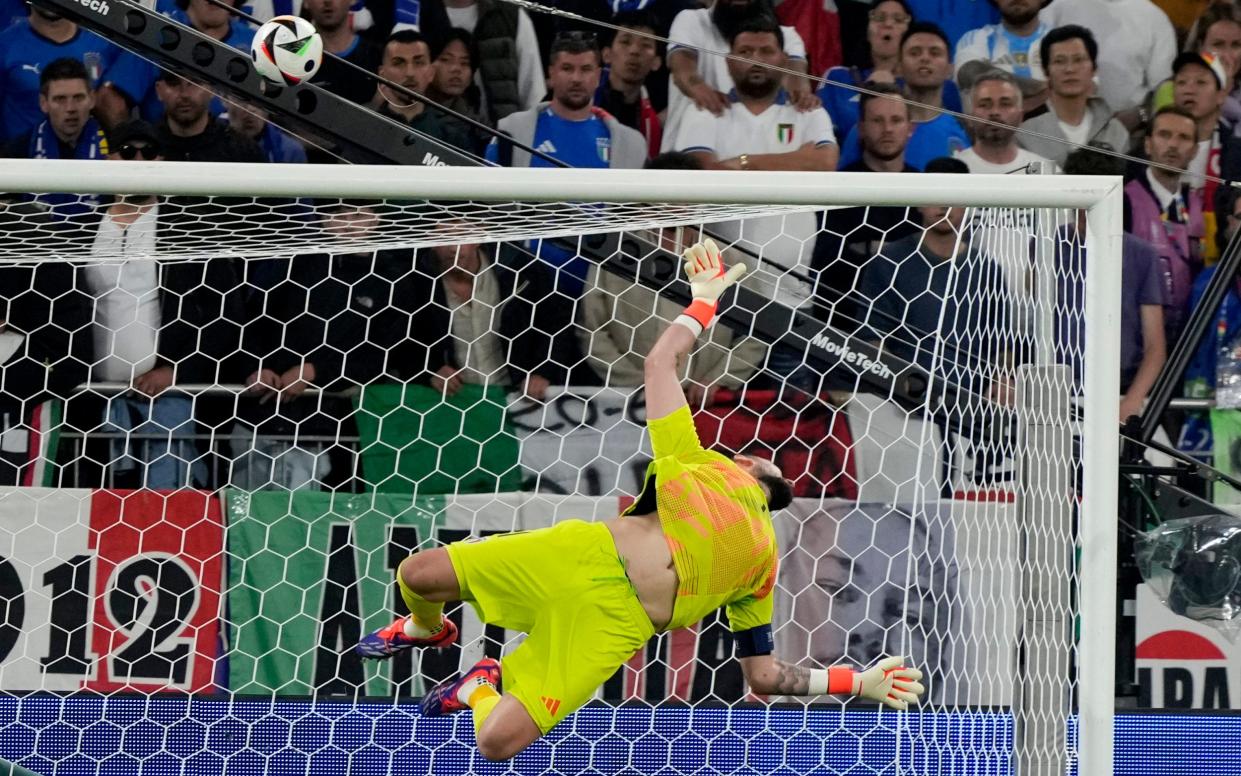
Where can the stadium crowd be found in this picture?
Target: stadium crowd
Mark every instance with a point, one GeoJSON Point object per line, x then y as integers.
{"type": "Point", "coordinates": [1116, 75]}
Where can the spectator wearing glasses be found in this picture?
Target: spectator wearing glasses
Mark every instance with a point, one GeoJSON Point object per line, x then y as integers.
{"type": "Point", "coordinates": [66, 132]}
{"type": "Point", "coordinates": [1139, 45]}
{"type": "Point", "coordinates": [1072, 116]}
{"type": "Point", "coordinates": [157, 324]}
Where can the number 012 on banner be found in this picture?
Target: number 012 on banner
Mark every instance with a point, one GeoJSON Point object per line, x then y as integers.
{"type": "Point", "coordinates": [108, 590]}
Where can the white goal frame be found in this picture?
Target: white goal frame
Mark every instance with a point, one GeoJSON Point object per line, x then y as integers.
{"type": "Point", "coordinates": [1100, 196]}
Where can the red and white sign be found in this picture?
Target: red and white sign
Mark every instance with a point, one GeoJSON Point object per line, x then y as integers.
{"type": "Point", "coordinates": [109, 590]}
{"type": "Point", "coordinates": [1182, 663]}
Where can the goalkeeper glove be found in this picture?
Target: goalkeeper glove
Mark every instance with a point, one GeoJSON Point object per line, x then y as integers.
{"type": "Point", "coordinates": [704, 267]}
{"type": "Point", "coordinates": [889, 682]}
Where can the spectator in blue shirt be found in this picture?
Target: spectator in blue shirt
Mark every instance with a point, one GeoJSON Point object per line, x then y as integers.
{"type": "Point", "coordinates": [11, 12]}
{"type": "Point", "coordinates": [26, 48]}
{"type": "Point", "coordinates": [248, 119]}
{"type": "Point", "coordinates": [888, 21]}
{"type": "Point", "coordinates": [956, 17]}
{"type": "Point", "coordinates": [131, 80]}
{"type": "Point", "coordinates": [569, 128]}
{"type": "Point", "coordinates": [67, 131]}
{"type": "Point", "coordinates": [926, 68]}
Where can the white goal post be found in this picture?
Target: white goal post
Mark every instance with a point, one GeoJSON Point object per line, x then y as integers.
{"type": "Point", "coordinates": [688, 197]}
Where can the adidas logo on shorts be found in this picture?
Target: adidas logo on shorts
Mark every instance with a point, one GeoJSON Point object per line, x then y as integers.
{"type": "Point", "coordinates": [552, 704]}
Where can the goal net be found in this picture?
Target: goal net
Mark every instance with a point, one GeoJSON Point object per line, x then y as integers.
{"type": "Point", "coordinates": [235, 398]}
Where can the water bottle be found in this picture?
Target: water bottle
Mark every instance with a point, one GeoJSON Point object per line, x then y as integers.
{"type": "Point", "coordinates": [1228, 374]}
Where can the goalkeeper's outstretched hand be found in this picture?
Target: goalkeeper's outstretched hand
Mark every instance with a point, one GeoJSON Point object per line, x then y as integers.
{"type": "Point", "coordinates": [890, 683]}
{"type": "Point", "coordinates": [704, 266]}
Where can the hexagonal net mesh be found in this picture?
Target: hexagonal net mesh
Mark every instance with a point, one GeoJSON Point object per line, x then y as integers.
{"type": "Point", "coordinates": [227, 422]}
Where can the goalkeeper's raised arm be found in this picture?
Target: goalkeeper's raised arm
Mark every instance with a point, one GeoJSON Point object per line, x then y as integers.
{"type": "Point", "coordinates": [704, 267]}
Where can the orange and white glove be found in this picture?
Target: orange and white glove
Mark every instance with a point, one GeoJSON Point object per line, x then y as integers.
{"type": "Point", "coordinates": [890, 683]}
{"type": "Point", "coordinates": [704, 268]}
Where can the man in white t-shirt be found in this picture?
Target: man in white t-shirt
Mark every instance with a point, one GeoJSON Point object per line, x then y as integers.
{"type": "Point", "coordinates": [1137, 44]}
{"type": "Point", "coordinates": [698, 78]}
{"type": "Point", "coordinates": [996, 97]}
{"type": "Point", "coordinates": [761, 130]}
{"type": "Point", "coordinates": [1003, 234]}
{"type": "Point", "coordinates": [156, 324]}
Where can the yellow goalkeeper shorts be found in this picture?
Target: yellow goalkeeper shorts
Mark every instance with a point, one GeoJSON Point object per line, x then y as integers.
{"type": "Point", "coordinates": [566, 587]}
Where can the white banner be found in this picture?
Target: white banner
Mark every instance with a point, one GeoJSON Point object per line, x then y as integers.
{"type": "Point", "coordinates": [590, 441]}
{"type": "Point", "coordinates": [1182, 663]}
{"type": "Point", "coordinates": [43, 531]}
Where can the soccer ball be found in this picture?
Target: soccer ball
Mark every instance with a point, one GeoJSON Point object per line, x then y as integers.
{"type": "Point", "coordinates": [287, 49]}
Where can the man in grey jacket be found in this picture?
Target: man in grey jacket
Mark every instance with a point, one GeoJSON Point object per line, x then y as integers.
{"type": "Point", "coordinates": [1072, 116]}
{"type": "Point", "coordinates": [572, 130]}
{"type": "Point", "coordinates": [570, 127]}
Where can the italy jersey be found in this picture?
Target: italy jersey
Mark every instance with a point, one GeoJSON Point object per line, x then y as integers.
{"type": "Point", "coordinates": [584, 143]}
{"type": "Point", "coordinates": [23, 55]}
{"type": "Point", "coordinates": [716, 523]}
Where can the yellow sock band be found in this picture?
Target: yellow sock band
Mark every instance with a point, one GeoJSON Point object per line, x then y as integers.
{"type": "Point", "coordinates": [426, 613]}
{"type": "Point", "coordinates": [482, 701]}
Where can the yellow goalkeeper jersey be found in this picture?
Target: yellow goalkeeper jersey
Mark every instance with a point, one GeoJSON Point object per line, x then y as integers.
{"type": "Point", "coordinates": [717, 525]}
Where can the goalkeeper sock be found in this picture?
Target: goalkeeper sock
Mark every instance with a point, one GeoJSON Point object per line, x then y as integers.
{"type": "Point", "coordinates": [427, 616]}
{"type": "Point", "coordinates": [481, 696]}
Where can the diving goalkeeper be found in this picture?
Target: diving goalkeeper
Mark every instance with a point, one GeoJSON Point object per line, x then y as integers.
{"type": "Point", "coordinates": [590, 595]}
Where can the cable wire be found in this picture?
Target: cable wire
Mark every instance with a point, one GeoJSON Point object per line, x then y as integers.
{"type": "Point", "coordinates": [965, 118]}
